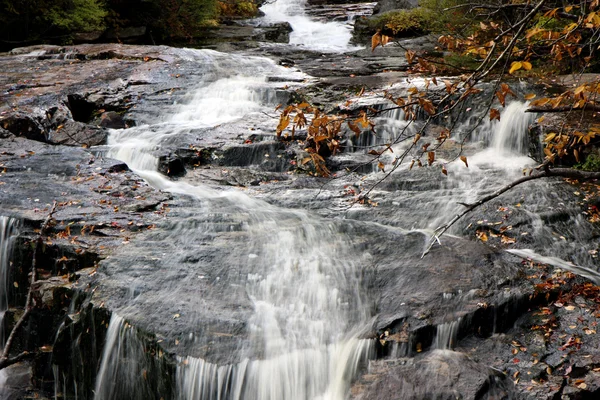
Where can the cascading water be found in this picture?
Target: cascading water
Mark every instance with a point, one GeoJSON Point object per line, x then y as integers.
{"type": "Point", "coordinates": [307, 33]}
{"type": "Point", "coordinates": [302, 275]}
{"type": "Point", "coordinates": [8, 230]}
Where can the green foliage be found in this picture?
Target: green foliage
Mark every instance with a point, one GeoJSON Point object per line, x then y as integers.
{"type": "Point", "coordinates": [404, 22]}
{"type": "Point", "coordinates": [238, 8]}
{"type": "Point", "coordinates": [446, 17]}
{"type": "Point", "coordinates": [461, 62]}
{"type": "Point", "coordinates": [591, 163]}
{"type": "Point", "coordinates": [184, 18]}
{"type": "Point", "coordinates": [56, 20]}
{"type": "Point", "coordinates": [77, 15]}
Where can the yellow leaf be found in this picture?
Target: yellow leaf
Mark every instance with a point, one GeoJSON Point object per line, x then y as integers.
{"type": "Point", "coordinates": [526, 65]}
{"type": "Point", "coordinates": [375, 40]}
{"type": "Point", "coordinates": [549, 137]}
{"type": "Point", "coordinates": [381, 166]}
{"type": "Point", "coordinates": [580, 89]}
{"type": "Point", "coordinates": [515, 66]}
{"type": "Point", "coordinates": [284, 121]}
{"type": "Point", "coordinates": [529, 96]}
{"type": "Point", "coordinates": [464, 159]}
{"type": "Point", "coordinates": [482, 236]}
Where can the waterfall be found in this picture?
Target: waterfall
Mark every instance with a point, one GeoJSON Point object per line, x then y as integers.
{"type": "Point", "coordinates": [447, 334]}
{"type": "Point", "coordinates": [309, 34]}
{"type": "Point", "coordinates": [8, 231]}
{"type": "Point", "coordinates": [510, 135]}
{"type": "Point", "coordinates": [303, 279]}
{"type": "Point", "coordinates": [130, 368]}
{"type": "Point", "coordinates": [303, 374]}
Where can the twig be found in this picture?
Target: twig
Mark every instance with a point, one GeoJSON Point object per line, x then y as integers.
{"type": "Point", "coordinates": [546, 172]}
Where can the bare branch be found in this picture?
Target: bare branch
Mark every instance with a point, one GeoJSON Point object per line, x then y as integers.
{"type": "Point", "coordinates": [546, 172]}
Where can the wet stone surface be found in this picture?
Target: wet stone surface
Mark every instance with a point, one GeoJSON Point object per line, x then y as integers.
{"type": "Point", "coordinates": [467, 320]}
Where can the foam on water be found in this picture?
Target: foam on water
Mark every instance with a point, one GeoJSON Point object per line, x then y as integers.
{"type": "Point", "coordinates": [305, 282]}
{"type": "Point", "coordinates": [307, 33]}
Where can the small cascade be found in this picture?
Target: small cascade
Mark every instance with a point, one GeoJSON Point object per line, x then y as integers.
{"type": "Point", "coordinates": [303, 374]}
{"type": "Point", "coordinates": [130, 367]}
{"type": "Point", "coordinates": [303, 280]}
{"type": "Point", "coordinates": [8, 232]}
{"type": "Point", "coordinates": [510, 135]}
{"type": "Point", "coordinates": [447, 333]}
{"type": "Point", "coordinates": [307, 33]}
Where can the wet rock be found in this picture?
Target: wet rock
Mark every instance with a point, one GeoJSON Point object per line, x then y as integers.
{"type": "Point", "coordinates": [278, 32]}
{"type": "Point", "coordinates": [112, 120]}
{"type": "Point", "coordinates": [73, 133]}
{"type": "Point", "coordinates": [24, 125]}
{"type": "Point", "coordinates": [16, 379]}
{"type": "Point", "coordinates": [171, 165]}
{"type": "Point", "coordinates": [441, 374]}
{"type": "Point", "coordinates": [81, 109]}
{"type": "Point", "coordinates": [57, 116]}
{"type": "Point", "coordinates": [4, 134]}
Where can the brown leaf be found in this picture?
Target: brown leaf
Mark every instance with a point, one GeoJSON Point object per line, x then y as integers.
{"type": "Point", "coordinates": [449, 87]}
{"type": "Point", "coordinates": [494, 114]}
{"type": "Point", "coordinates": [430, 157]}
{"type": "Point", "coordinates": [284, 121]}
{"type": "Point", "coordinates": [375, 40]}
{"type": "Point", "coordinates": [501, 97]}
{"type": "Point", "coordinates": [464, 159]}
{"type": "Point", "coordinates": [381, 166]}
{"type": "Point", "coordinates": [427, 106]}
{"type": "Point", "coordinates": [354, 128]}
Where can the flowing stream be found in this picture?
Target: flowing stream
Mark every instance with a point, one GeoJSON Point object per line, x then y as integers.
{"type": "Point", "coordinates": [8, 231]}
{"type": "Point", "coordinates": [301, 272]}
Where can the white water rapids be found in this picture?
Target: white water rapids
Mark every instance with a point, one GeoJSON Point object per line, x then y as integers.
{"type": "Point", "coordinates": [302, 273]}
{"type": "Point", "coordinates": [308, 34]}
{"type": "Point", "coordinates": [310, 311]}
